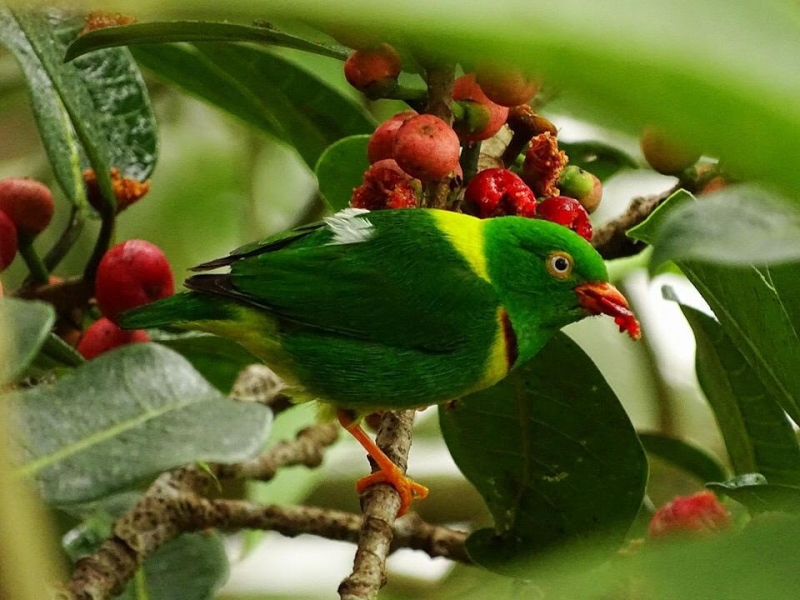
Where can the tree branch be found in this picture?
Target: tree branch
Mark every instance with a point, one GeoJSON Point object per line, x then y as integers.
{"type": "Point", "coordinates": [380, 504]}
{"type": "Point", "coordinates": [611, 240]}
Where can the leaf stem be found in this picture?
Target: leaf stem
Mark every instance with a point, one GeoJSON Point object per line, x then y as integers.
{"type": "Point", "coordinates": [469, 160]}
{"type": "Point", "coordinates": [67, 239]}
{"type": "Point", "coordinates": [36, 266]}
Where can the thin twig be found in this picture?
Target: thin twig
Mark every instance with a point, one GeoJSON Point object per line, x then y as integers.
{"type": "Point", "coordinates": [380, 504]}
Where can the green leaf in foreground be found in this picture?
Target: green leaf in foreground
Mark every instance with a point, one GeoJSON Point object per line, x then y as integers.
{"type": "Point", "coordinates": [599, 158]}
{"type": "Point", "coordinates": [758, 435]}
{"type": "Point", "coordinates": [758, 495]}
{"type": "Point", "coordinates": [162, 32]}
{"type": "Point", "coordinates": [341, 168]}
{"type": "Point", "coordinates": [683, 455]}
{"type": "Point", "coordinates": [126, 416]}
{"type": "Point", "coordinates": [264, 90]}
{"type": "Point", "coordinates": [738, 225]}
{"type": "Point", "coordinates": [647, 230]}
{"type": "Point", "coordinates": [553, 454]}
{"type": "Point", "coordinates": [26, 324]}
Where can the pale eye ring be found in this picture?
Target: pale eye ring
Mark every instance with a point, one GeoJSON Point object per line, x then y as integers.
{"type": "Point", "coordinates": [559, 265]}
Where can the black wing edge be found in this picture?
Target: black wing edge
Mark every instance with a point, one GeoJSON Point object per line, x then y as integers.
{"type": "Point", "coordinates": [220, 284]}
{"type": "Point", "coordinates": [271, 244]}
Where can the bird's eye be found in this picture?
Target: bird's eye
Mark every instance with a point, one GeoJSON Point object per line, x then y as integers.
{"type": "Point", "coordinates": [559, 264]}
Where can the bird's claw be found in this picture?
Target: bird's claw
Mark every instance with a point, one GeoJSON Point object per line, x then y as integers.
{"type": "Point", "coordinates": [405, 486]}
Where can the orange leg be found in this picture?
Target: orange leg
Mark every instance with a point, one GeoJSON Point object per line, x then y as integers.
{"type": "Point", "coordinates": [387, 472]}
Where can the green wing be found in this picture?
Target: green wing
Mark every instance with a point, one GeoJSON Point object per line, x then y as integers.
{"type": "Point", "coordinates": [400, 284]}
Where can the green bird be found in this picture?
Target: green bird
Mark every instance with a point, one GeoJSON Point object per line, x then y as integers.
{"type": "Point", "coordinates": [395, 309]}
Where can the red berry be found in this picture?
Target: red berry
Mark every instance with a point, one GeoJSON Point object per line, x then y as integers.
{"type": "Point", "coordinates": [103, 335]}
{"type": "Point", "coordinates": [426, 147]}
{"type": "Point", "coordinates": [498, 192]}
{"type": "Point", "coordinates": [131, 274]}
{"type": "Point", "coordinates": [28, 203]}
{"type": "Point", "coordinates": [581, 185]}
{"type": "Point", "coordinates": [568, 212]}
{"type": "Point", "coordinates": [506, 87]}
{"type": "Point", "coordinates": [373, 71]}
{"type": "Point", "coordinates": [699, 514]}
{"type": "Point", "coordinates": [8, 240]}
{"type": "Point", "coordinates": [386, 186]}
{"type": "Point", "coordinates": [473, 129]}
{"type": "Point", "coordinates": [665, 155]}
{"type": "Point", "coordinates": [381, 142]}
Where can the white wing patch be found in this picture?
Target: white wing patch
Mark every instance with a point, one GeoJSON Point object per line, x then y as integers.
{"type": "Point", "coordinates": [349, 227]}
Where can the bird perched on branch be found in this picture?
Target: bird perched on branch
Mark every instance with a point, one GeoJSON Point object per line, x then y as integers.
{"type": "Point", "coordinates": [395, 309]}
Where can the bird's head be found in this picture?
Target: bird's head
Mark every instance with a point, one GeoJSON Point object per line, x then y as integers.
{"type": "Point", "coordinates": [551, 275]}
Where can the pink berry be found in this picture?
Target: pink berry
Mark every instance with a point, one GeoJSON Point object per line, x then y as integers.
{"type": "Point", "coordinates": [104, 335]}
{"type": "Point", "coordinates": [8, 240]}
{"type": "Point", "coordinates": [426, 147]}
{"type": "Point", "coordinates": [498, 192]}
{"type": "Point", "coordinates": [131, 274]}
{"type": "Point", "coordinates": [699, 514]}
{"type": "Point", "coordinates": [568, 212]}
{"type": "Point", "coordinates": [28, 203]}
{"type": "Point", "coordinates": [373, 71]}
{"type": "Point", "coordinates": [381, 142]}
{"type": "Point", "coordinates": [506, 87]}
{"type": "Point", "coordinates": [386, 186]}
{"type": "Point", "coordinates": [466, 90]}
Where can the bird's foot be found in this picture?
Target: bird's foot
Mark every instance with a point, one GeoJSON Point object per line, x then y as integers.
{"type": "Point", "coordinates": [405, 486]}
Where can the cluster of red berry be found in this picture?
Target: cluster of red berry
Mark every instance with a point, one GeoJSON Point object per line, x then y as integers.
{"type": "Point", "coordinates": [411, 149]}
{"type": "Point", "coordinates": [130, 274]}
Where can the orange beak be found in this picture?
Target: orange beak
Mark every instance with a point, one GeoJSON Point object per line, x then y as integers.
{"type": "Point", "coordinates": [604, 299]}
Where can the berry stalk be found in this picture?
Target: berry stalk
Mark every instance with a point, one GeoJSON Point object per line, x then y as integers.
{"type": "Point", "coordinates": [34, 262]}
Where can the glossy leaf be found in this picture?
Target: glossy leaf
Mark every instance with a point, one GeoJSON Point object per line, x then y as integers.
{"type": "Point", "coordinates": [683, 455]}
{"type": "Point", "coordinates": [82, 442]}
{"type": "Point", "coordinates": [52, 118]}
{"type": "Point", "coordinates": [217, 359]}
{"type": "Point", "coordinates": [26, 324]}
{"type": "Point", "coordinates": [263, 89]}
{"type": "Point", "coordinates": [599, 158]}
{"type": "Point", "coordinates": [120, 100]}
{"type": "Point", "coordinates": [647, 230]}
{"type": "Point", "coordinates": [758, 435]}
{"type": "Point", "coordinates": [162, 32]}
{"type": "Point", "coordinates": [758, 495]}
{"type": "Point", "coordinates": [738, 225]}
{"type": "Point", "coordinates": [341, 168]}
{"type": "Point", "coordinates": [551, 451]}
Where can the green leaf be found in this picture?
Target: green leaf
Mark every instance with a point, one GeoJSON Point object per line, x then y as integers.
{"type": "Point", "coordinates": [341, 168]}
{"type": "Point", "coordinates": [753, 490]}
{"type": "Point", "coordinates": [647, 230]}
{"type": "Point", "coordinates": [27, 324]}
{"type": "Point", "coordinates": [756, 310]}
{"type": "Point", "coordinates": [758, 435]}
{"type": "Point", "coordinates": [683, 455]}
{"type": "Point", "coordinates": [127, 416]}
{"type": "Point", "coordinates": [119, 96]}
{"type": "Point", "coordinates": [738, 225]}
{"type": "Point", "coordinates": [551, 451]}
{"type": "Point", "coordinates": [264, 90]}
{"type": "Point", "coordinates": [162, 32]}
{"type": "Point", "coordinates": [195, 565]}
{"type": "Point", "coordinates": [217, 359]}
{"type": "Point", "coordinates": [58, 136]}
{"type": "Point", "coordinates": [599, 158]}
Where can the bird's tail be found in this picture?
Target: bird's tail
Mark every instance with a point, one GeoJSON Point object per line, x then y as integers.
{"type": "Point", "coordinates": [180, 311]}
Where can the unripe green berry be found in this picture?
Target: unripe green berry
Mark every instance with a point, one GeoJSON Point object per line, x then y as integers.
{"type": "Point", "coordinates": [581, 185]}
